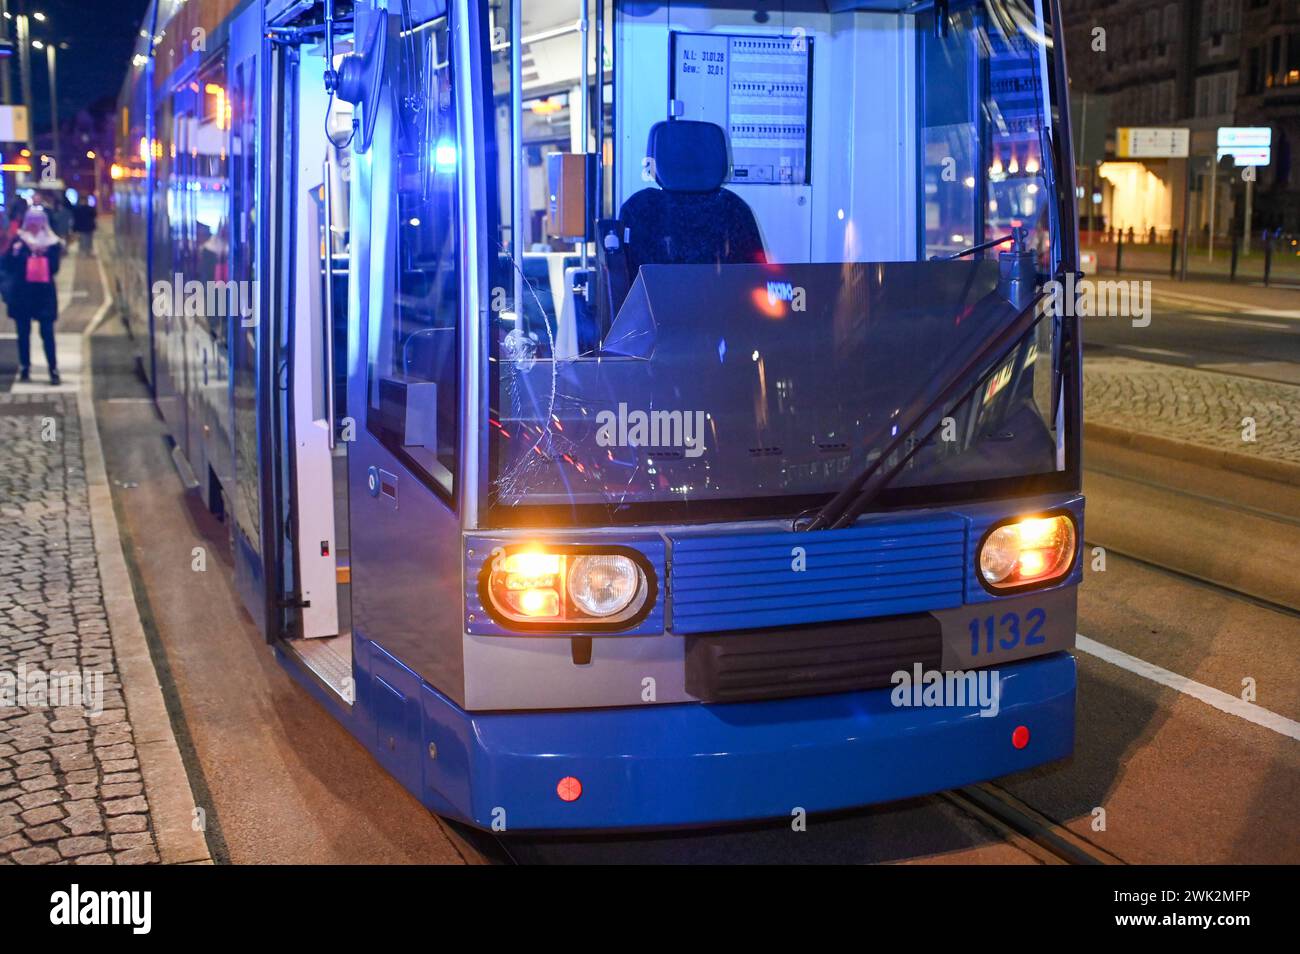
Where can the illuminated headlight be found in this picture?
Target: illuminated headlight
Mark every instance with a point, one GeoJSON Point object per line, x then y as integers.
{"type": "Point", "coordinates": [1035, 550]}
{"type": "Point", "coordinates": [604, 586]}
{"type": "Point", "coordinates": [578, 588]}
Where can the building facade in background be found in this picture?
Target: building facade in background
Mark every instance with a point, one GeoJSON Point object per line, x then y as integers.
{"type": "Point", "coordinates": [1197, 64]}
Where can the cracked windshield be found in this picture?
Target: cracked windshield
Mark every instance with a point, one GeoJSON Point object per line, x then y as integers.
{"type": "Point", "coordinates": [751, 287]}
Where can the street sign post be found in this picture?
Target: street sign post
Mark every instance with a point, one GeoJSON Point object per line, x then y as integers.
{"type": "Point", "coordinates": [1159, 142]}
{"type": "Point", "coordinates": [1248, 146]}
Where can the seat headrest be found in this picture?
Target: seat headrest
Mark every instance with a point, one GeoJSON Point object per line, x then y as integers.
{"type": "Point", "coordinates": [688, 156]}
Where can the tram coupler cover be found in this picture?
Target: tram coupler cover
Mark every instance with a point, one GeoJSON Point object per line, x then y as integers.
{"type": "Point", "coordinates": [1017, 273]}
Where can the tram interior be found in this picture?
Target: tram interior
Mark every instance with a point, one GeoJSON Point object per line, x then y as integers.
{"type": "Point", "coordinates": [764, 146]}
{"type": "Point", "coordinates": [826, 130]}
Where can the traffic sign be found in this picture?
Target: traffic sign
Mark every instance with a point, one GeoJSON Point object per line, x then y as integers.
{"type": "Point", "coordinates": [1248, 145]}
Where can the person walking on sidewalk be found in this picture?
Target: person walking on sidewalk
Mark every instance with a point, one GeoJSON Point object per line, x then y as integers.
{"type": "Point", "coordinates": [83, 223]}
{"type": "Point", "coordinates": [32, 261]}
{"type": "Point", "coordinates": [13, 223]}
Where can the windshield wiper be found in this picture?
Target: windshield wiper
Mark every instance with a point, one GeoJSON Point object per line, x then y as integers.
{"type": "Point", "coordinates": [850, 502]}
{"type": "Point", "coordinates": [1017, 237]}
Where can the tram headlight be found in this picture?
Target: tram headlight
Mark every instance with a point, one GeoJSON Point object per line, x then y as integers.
{"type": "Point", "coordinates": [1033, 550]}
{"type": "Point", "coordinates": [603, 586]}
{"type": "Point", "coordinates": [567, 588]}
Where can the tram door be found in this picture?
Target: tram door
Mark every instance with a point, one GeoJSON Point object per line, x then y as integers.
{"type": "Point", "coordinates": [250, 343]}
{"type": "Point", "coordinates": [311, 177]}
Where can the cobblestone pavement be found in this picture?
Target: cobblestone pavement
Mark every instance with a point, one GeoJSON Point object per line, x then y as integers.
{"type": "Point", "coordinates": [1201, 407]}
{"type": "Point", "coordinates": [70, 782]}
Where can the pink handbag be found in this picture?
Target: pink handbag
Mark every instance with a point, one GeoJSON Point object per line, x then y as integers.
{"type": "Point", "coordinates": [38, 268]}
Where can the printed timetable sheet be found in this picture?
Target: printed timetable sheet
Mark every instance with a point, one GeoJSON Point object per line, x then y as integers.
{"type": "Point", "coordinates": [754, 87]}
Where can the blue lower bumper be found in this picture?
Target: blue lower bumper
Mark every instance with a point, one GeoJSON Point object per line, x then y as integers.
{"type": "Point", "coordinates": [665, 765]}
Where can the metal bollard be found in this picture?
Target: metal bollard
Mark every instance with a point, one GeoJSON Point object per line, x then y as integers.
{"type": "Point", "coordinates": [1236, 250]}
{"type": "Point", "coordinates": [1173, 256]}
{"type": "Point", "coordinates": [1268, 256]}
{"type": "Point", "coordinates": [1119, 253]}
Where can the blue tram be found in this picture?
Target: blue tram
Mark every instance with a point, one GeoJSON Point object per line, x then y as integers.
{"type": "Point", "coordinates": [627, 413]}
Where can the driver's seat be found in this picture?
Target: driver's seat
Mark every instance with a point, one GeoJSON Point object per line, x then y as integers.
{"type": "Point", "coordinates": [690, 219]}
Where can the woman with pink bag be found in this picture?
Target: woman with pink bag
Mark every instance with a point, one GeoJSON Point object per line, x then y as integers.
{"type": "Point", "coordinates": [32, 262]}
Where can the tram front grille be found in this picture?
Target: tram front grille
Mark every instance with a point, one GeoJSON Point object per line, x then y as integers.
{"type": "Point", "coordinates": [810, 660]}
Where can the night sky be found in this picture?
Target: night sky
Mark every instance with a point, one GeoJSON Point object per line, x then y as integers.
{"type": "Point", "coordinates": [100, 35]}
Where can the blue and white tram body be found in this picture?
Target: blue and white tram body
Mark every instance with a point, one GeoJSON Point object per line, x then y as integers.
{"type": "Point", "coordinates": [673, 434]}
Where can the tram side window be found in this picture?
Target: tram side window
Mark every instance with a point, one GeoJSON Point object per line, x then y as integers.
{"type": "Point", "coordinates": [414, 402]}
{"type": "Point", "coordinates": [207, 225]}
{"type": "Point", "coordinates": [243, 179]}
{"type": "Point", "coordinates": [983, 135]}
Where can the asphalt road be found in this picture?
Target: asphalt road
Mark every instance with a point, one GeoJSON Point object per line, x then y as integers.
{"type": "Point", "coordinates": [1214, 326]}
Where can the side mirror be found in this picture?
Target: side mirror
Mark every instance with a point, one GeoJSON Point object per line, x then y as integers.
{"type": "Point", "coordinates": [360, 77]}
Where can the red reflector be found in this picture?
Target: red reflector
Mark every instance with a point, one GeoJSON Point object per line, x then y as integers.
{"type": "Point", "coordinates": [1020, 737]}
{"type": "Point", "coordinates": [568, 788]}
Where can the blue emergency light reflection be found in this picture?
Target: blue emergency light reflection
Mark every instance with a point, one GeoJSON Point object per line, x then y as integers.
{"type": "Point", "coordinates": [444, 156]}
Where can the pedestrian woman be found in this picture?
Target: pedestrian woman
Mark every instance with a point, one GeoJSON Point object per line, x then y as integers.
{"type": "Point", "coordinates": [32, 262]}
{"type": "Point", "coordinates": [13, 222]}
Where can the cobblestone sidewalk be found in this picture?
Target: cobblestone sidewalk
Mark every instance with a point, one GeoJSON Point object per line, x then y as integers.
{"type": "Point", "coordinates": [70, 781]}
{"type": "Point", "coordinates": [1200, 407]}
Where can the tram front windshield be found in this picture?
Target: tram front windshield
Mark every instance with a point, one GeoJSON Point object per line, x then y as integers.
{"type": "Point", "coordinates": [734, 249]}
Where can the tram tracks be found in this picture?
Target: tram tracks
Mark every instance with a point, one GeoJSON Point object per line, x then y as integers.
{"type": "Point", "coordinates": [1025, 827]}
{"type": "Point", "coordinates": [1234, 533]}
{"type": "Point", "coordinates": [1010, 821]}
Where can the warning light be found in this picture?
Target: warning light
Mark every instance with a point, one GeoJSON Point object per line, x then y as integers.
{"type": "Point", "coordinates": [1020, 737]}
{"type": "Point", "coordinates": [568, 788]}
{"type": "Point", "coordinates": [1036, 550]}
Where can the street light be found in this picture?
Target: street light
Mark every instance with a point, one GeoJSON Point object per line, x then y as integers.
{"type": "Point", "coordinates": [22, 27]}
{"type": "Point", "coordinates": [51, 58]}
{"type": "Point", "coordinates": [25, 69]}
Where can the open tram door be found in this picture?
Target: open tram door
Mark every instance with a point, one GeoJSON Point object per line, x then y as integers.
{"type": "Point", "coordinates": [309, 169]}
{"type": "Point", "coordinates": [248, 511]}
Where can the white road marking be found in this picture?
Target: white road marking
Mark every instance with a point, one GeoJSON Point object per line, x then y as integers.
{"type": "Point", "coordinates": [1211, 697]}
{"type": "Point", "coordinates": [1159, 351]}
{"type": "Point", "coordinates": [1240, 322]}
{"type": "Point", "coordinates": [104, 306]}
{"type": "Point", "coordinates": [1229, 306]}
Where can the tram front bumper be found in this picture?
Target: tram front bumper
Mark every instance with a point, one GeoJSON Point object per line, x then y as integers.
{"type": "Point", "coordinates": [696, 764]}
